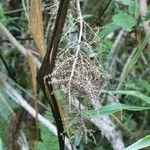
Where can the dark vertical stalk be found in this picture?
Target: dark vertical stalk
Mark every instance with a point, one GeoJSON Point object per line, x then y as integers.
{"type": "Point", "coordinates": [48, 66]}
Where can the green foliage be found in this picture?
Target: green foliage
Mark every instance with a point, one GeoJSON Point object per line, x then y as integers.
{"type": "Point", "coordinates": [1, 12]}
{"type": "Point", "coordinates": [5, 114]}
{"type": "Point", "coordinates": [7, 20]}
{"type": "Point", "coordinates": [124, 21]}
{"type": "Point", "coordinates": [133, 7]}
{"type": "Point", "coordinates": [127, 2]}
{"type": "Point", "coordinates": [141, 96]}
{"type": "Point", "coordinates": [144, 85]}
{"type": "Point", "coordinates": [48, 140]}
{"type": "Point", "coordinates": [108, 29]}
{"type": "Point", "coordinates": [147, 17]}
{"type": "Point", "coordinates": [142, 143]}
{"type": "Point", "coordinates": [136, 94]}
{"type": "Point", "coordinates": [1, 144]}
{"type": "Point", "coordinates": [134, 59]}
{"type": "Point", "coordinates": [120, 20]}
{"type": "Point", "coordinates": [111, 108]}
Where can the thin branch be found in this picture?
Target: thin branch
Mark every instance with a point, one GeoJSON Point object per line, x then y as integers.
{"type": "Point", "coordinates": [125, 67]}
{"type": "Point", "coordinates": [106, 7]}
{"type": "Point", "coordinates": [12, 39]}
{"type": "Point", "coordinates": [78, 47]}
{"type": "Point", "coordinates": [21, 9]}
{"type": "Point", "coordinates": [115, 48]}
{"type": "Point", "coordinates": [25, 8]}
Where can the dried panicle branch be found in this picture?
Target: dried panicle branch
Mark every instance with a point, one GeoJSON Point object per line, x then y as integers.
{"type": "Point", "coordinates": [78, 48]}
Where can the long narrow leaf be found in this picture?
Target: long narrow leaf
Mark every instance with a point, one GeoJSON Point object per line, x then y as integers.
{"type": "Point", "coordinates": [114, 107]}
{"type": "Point", "coordinates": [135, 57]}
{"type": "Point", "coordinates": [36, 25]}
{"type": "Point", "coordinates": [1, 144]}
{"type": "Point", "coordinates": [132, 93]}
{"type": "Point", "coordinates": [142, 143]}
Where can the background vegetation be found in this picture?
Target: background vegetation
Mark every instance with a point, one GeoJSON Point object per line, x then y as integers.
{"type": "Point", "coordinates": [101, 77]}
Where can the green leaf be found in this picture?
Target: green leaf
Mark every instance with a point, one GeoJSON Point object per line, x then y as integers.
{"type": "Point", "coordinates": [124, 21]}
{"type": "Point", "coordinates": [132, 93]}
{"type": "Point", "coordinates": [114, 107]}
{"type": "Point", "coordinates": [49, 141]}
{"type": "Point", "coordinates": [144, 85]}
{"type": "Point", "coordinates": [120, 20]}
{"type": "Point", "coordinates": [142, 143]}
{"type": "Point", "coordinates": [1, 12]}
{"type": "Point", "coordinates": [108, 29]}
{"type": "Point", "coordinates": [134, 8]}
{"type": "Point", "coordinates": [147, 17]}
{"type": "Point", "coordinates": [1, 144]}
{"type": "Point", "coordinates": [127, 2]}
{"type": "Point", "coordinates": [134, 59]}
{"type": "Point", "coordinates": [13, 28]}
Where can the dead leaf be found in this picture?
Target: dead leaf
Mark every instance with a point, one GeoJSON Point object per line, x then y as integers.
{"type": "Point", "coordinates": [36, 25]}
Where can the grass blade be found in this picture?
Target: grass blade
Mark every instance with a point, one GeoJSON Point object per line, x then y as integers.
{"type": "Point", "coordinates": [115, 107]}
{"type": "Point", "coordinates": [142, 143]}
{"type": "Point", "coordinates": [141, 96]}
{"type": "Point", "coordinates": [135, 57]}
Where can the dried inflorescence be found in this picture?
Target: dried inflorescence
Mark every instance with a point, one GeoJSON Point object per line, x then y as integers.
{"type": "Point", "coordinates": [85, 85]}
{"type": "Point", "coordinates": [78, 74]}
